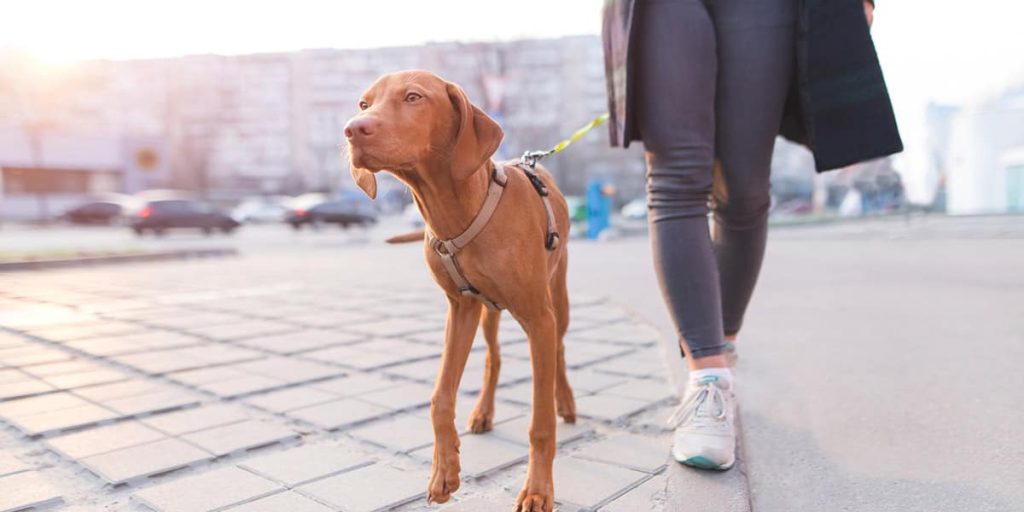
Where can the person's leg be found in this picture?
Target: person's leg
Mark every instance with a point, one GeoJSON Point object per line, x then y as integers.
{"type": "Point", "coordinates": [756, 52]}
{"type": "Point", "coordinates": [675, 91]}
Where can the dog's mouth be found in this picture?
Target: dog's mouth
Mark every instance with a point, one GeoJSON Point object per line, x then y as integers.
{"type": "Point", "coordinates": [370, 159]}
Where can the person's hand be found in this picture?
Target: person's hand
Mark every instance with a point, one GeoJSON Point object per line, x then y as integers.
{"type": "Point", "coordinates": [869, 11]}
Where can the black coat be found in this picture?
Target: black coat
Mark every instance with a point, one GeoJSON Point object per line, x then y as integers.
{"type": "Point", "coordinates": [838, 105]}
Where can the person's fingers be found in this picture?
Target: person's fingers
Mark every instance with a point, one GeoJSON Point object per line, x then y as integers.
{"type": "Point", "coordinates": [869, 11]}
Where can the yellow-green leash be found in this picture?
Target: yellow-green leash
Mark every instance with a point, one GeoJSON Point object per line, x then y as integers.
{"type": "Point", "coordinates": [530, 158]}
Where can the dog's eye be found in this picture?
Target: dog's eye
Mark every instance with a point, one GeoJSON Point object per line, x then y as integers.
{"type": "Point", "coordinates": [363, 105]}
{"type": "Point", "coordinates": [413, 96]}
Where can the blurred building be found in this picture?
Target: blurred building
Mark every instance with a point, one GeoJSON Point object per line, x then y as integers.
{"type": "Point", "coordinates": [228, 127]}
{"type": "Point", "coordinates": [978, 153]}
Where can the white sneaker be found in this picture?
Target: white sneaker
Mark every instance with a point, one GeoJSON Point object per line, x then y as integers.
{"type": "Point", "coordinates": [705, 433]}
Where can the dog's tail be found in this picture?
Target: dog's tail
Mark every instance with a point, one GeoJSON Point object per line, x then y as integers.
{"type": "Point", "coordinates": [414, 236]}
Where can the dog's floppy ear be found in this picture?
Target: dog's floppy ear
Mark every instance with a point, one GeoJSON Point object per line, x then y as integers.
{"type": "Point", "coordinates": [366, 180]}
{"type": "Point", "coordinates": [478, 136]}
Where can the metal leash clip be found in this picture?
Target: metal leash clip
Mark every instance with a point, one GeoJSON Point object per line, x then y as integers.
{"type": "Point", "coordinates": [530, 158]}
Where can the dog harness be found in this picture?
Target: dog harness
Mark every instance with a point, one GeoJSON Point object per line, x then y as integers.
{"type": "Point", "coordinates": [448, 249]}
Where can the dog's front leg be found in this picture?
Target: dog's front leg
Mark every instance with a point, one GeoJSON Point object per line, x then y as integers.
{"type": "Point", "coordinates": [538, 491]}
{"type": "Point", "coordinates": [463, 315]}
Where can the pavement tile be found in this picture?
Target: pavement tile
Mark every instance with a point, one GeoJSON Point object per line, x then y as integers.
{"type": "Point", "coordinates": [403, 433]}
{"type": "Point", "coordinates": [24, 388]}
{"type": "Point", "coordinates": [63, 419]}
{"type": "Point", "coordinates": [8, 375]}
{"type": "Point", "coordinates": [588, 484]}
{"type": "Point", "coordinates": [624, 332]}
{"type": "Point", "coordinates": [204, 376]}
{"type": "Point", "coordinates": [198, 418]}
{"type": "Point", "coordinates": [339, 413]}
{"type": "Point", "coordinates": [302, 341]}
{"type": "Point", "coordinates": [243, 385]}
{"type": "Point", "coordinates": [649, 495]}
{"type": "Point", "coordinates": [291, 398]}
{"type": "Point", "coordinates": [464, 407]}
{"type": "Point", "coordinates": [290, 370]}
{"type": "Point", "coordinates": [335, 318]}
{"type": "Point", "coordinates": [38, 404]}
{"type": "Point", "coordinates": [243, 329]}
{"type": "Point", "coordinates": [103, 439]}
{"type": "Point", "coordinates": [369, 489]}
{"type": "Point", "coordinates": [296, 466]}
{"type": "Point", "coordinates": [604, 313]}
{"type": "Point", "coordinates": [424, 370]}
{"type": "Point", "coordinates": [121, 389]}
{"type": "Point", "coordinates": [152, 402]}
{"type": "Point", "coordinates": [404, 396]}
{"type": "Point", "coordinates": [409, 349]}
{"type": "Point", "coordinates": [358, 356]}
{"type": "Point", "coordinates": [479, 504]}
{"type": "Point", "coordinates": [649, 390]}
{"type": "Point", "coordinates": [216, 354]}
{"type": "Point", "coordinates": [9, 464]}
{"type": "Point", "coordinates": [181, 318]}
{"type": "Point", "coordinates": [27, 490]}
{"type": "Point", "coordinates": [288, 501]}
{"type": "Point", "coordinates": [637, 452]}
{"type": "Point", "coordinates": [579, 354]}
{"type": "Point", "coordinates": [391, 327]}
{"type": "Point", "coordinates": [62, 368]}
{"type": "Point", "coordinates": [208, 491]}
{"type": "Point", "coordinates": [641, 364]}
{"type": "Point", "coordinates": [480, 455]}
{"type": "Point", "coordinates": [356, 384]}
{"type": "Point", "coordinates": [133, 343]}
{"type": "Point", "coordinates": [32, 356]}
{"type": "Point", "coordinates": [589, 381]}
{"type": "Point", "coordinates": [144, 460]}
{"type": "Point", "coordinates": [89, 378]}
{"type": "Point", "coordinates": [64, 333]}
{"type": "Point", "coordinates": [608, 407]}
{"type": "Point", "coordinates": [518, 431]}
{"type": "Point", "coordinates": [160, 362]}
{"type": "Point", "coordinates": [245, 435]}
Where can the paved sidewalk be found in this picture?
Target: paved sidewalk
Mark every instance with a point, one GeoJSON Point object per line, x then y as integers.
{"type": "Point", "coordinates": [296, 383]}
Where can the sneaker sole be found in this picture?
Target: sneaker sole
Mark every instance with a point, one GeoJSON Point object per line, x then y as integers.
{"type": "Point", "coordinates": [700, 462]}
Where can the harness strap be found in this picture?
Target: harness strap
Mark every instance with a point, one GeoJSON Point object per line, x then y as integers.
{"type": "Point", "coordinates": [446, 249]}
{"type": "Point", "coordinates": [551, 239]}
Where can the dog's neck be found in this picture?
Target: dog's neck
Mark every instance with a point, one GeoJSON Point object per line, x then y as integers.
{"type": "Point", "coordinates": [448, 205]}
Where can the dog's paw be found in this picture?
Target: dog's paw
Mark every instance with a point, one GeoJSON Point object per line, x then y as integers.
{"type": "Point", "coordinates": [566, 405]}
{"type": "Point", "coordinates": [481, 421]}
{"type": "Point", "coordinates": [444, 477]}
{"type": "Point", "coordinates": [534, 502]}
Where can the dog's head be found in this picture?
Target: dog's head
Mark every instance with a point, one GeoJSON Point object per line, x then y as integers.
{"type": "Point", "coordinates": [411, 118]}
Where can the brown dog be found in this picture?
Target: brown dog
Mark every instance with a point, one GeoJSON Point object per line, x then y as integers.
{"type": "Point", "coordinates": [425, 131]}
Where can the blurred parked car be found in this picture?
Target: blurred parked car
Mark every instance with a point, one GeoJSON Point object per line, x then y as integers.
{"type": "Point", "coordinates": [345, 210]}
{"type": "Point", "coordinates": [635, 209]}
{"type": "Point", "coordinates": [161, 215]}
{"type": "Point", "coordinates": [95, 212]}
{"type": "Point", "coordinates": [262, 209]}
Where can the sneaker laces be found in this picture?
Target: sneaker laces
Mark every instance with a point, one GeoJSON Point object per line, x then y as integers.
{"type": "Point", "coordinates": [694, 404]}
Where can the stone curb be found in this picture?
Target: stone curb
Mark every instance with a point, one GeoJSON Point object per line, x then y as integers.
{"type": "Point", "coordinates": [14, 266]}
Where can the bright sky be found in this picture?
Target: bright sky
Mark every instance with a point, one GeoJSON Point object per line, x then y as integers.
{"type": "Point", "coordinates": [944, 50]}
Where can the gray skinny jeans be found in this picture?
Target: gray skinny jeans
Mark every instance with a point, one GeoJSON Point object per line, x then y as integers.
{"type": "Point", "coordinates": [711, 82]}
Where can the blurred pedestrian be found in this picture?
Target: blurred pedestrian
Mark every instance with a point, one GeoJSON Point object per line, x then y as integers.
{"type": "Point", "coordinates": [706, 85]}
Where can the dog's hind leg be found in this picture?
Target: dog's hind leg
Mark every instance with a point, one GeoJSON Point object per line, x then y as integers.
{"type": "Point", "coordinates": [560, 297]}
{"type": "Point", "coordinates": [463, 315]}
{"type": "Point", "coordinates": [482, 418]}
